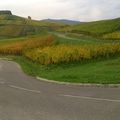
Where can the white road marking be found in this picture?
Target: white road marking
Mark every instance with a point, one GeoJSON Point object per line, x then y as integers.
{"type": "Point", "coordinates": [24, 89]}
{"type": "Point", "coordinates": [92, 98]}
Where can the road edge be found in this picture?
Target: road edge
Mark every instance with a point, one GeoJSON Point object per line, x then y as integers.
{"type": "Point", "coordinates": [78, 84]}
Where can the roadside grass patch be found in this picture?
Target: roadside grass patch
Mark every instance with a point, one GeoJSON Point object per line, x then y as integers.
{"type": "Point", "coordinates": [97, 71]}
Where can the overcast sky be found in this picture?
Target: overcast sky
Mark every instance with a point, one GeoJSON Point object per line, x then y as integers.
{"type": "Point", "coordinates": [83, 10]}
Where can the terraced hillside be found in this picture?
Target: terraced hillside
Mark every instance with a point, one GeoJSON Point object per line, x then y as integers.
{"type": "Point", "coordinates": [106, 29]}
{"type": "Point", "coordinates": [15, 26]}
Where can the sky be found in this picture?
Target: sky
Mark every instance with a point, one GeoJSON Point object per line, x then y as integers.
{"type": "Point", "coordinates": [82, 10]}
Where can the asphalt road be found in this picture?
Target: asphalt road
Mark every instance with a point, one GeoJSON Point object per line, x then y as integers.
{"type": "Point", "coordinates": [26, 98]}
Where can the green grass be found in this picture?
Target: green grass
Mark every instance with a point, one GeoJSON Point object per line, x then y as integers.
{"type": "Point", "coordinates": [63, 38]}
{"type": "Point", "coordinates": [70, 38]}
{"type": "Point", "coordinates": [97, 28]}
{"type": "Point", "coordinates": [104, 71]}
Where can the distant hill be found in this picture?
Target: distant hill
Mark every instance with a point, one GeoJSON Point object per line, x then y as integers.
{"type": "Point", "coordinates": [64, 21]}
{"type": "Point", "coordinates": [98, 28]}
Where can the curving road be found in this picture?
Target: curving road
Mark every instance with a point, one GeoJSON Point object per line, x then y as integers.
{"type": "Point", "coordinates": [25, 98]}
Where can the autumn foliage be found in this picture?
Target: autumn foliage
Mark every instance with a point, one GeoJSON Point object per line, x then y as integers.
{"type": "Point", "coordinates": [19, 47]}
{"type": "Point", "coordinates": [71, 53]}
{"type": "Point", "coordinates": [113, 36]}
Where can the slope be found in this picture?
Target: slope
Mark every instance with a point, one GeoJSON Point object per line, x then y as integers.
{"type": "Point", "coordinates": [97, 28]}
{"type": "Point", "coordinates": [15, 26]}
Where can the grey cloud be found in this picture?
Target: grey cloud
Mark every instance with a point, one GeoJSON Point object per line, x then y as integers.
{"type": "Point", "coordinates": [83, 10]}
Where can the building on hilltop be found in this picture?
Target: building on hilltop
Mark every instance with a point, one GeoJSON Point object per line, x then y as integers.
{"type": "Point", "coordinates": [5, 12]}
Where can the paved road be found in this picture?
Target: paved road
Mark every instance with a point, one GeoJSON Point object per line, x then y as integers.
{"type": "Point", "coordinates": [25, 98]}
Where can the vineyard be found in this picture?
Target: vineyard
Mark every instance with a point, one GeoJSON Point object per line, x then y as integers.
{"type": "Point", "coordinates": [70, 53]}
{"type": "Point", "coordinates": [18, 47]}
{"type": "Point", "coordinates": [43, 50]}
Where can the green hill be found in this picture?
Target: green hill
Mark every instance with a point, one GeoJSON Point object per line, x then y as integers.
{"type": "Point", "coordinates": [15, 26]}
{"type": "Point", "coordinates": [104, 28]}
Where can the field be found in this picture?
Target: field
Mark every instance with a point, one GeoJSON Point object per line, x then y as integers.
{"type": "Point", "coordinates": [77, 53]}
{"type": "Point", "coordinates": [97, 29]}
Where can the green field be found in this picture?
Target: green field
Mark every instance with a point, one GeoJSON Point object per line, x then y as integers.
{"type": "Point", "coordinates": [97, 28]}
{"type": "Point", "coordinates": [101, 36]}
{"type": "Point", "coordinates": [71, 38]}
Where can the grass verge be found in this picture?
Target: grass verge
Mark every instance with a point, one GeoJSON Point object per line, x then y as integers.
{"type": "Point", "coordinates": [105, 71]}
